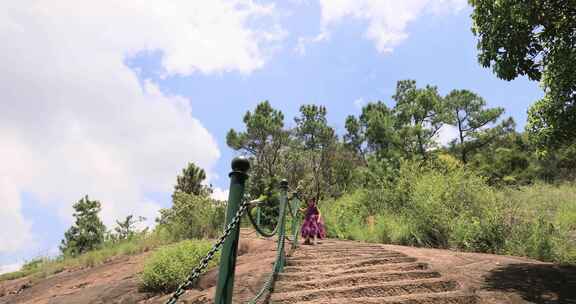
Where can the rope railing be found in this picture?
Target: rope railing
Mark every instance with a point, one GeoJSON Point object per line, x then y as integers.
{"type": "Point", "coordinates": [256, 222]}
{"type": "Point", "coordinates": [228, 242]}
{"type": "Point", "coordinates": [294, 207]}
{"type": "Point", "coordinates": [279, 262]}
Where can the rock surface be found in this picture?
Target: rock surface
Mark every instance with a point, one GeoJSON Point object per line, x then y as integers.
{"type": "Point", "coordinates": [334, 271]}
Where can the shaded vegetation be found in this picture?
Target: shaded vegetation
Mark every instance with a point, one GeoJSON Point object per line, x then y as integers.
{"type": "Point", "coordinates": [541, 284]}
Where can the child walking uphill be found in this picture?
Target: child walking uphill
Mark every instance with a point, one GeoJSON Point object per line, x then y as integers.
{"type": "Point", "coordinates": [313, 226]}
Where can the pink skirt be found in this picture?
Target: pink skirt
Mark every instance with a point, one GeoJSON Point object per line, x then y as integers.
{"type": "Point", "coordinates": [313, 228]}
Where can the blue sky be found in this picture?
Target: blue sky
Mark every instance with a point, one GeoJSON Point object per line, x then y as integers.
{"type": "Point", "coordinates": [116, 114]}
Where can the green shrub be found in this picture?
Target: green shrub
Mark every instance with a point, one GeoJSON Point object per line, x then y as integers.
{"type": "Point", "coordinates": [344, 215]}
{"type": "Point", "coordinates": [427, 205]}
{"type": "Point", "coordinates": [34, 264]}
{"type": "Point", "coordinates": [443, 204]}
{"type": "Point", "coordinates": [193, 216]}
{"type": "Point", "coordinates": [481, 234]}
{"type": "Point", "coordinates": [170, 266]}
{"type": "Point", "coordinates": [397, 229]}
{"type": "Point", "coordinates": [543, 222]}
{"type": "Point", "coordinates": [565, 220]}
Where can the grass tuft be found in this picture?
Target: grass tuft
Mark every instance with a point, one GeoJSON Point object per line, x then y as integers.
{"type": "Point", "coordinates": [42, 267]}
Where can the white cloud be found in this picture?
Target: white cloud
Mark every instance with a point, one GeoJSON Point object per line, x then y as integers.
{"type": "Point", "coordinates": [359, 103]}
{"type": "Point", "coordinates": [14, 229]}
{"type": "Point", "coordinates": [10, 267]}
{"type": "Point", "coordinates": [387, 19]}
{"type": "Point", "coordinates": [220, 194]}
{"type": "Point", "coordinates": [74, 118]}
{"type": "Point", "coordinates": [304, 41]}
{"type": "Point", "coordinates": [446, 134]}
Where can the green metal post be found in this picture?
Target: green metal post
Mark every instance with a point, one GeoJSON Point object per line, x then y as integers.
{"type": "Point", "coordinates": [225, 287]}
{"type": "Point", "coordinates": [258, 217]}
{"type": "Point", "coordinates": [295, 222]}
{"type": "Point", "coordinates": [282, 223]}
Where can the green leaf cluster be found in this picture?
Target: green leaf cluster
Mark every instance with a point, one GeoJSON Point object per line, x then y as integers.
{"type": "Point", "coordinates": [536, 39]}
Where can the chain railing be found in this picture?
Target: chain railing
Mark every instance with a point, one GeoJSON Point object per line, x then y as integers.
{"type": "Point", "coordinates": [228, 241]}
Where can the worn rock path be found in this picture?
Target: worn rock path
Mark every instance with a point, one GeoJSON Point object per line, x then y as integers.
{"type": "Point", "coordinates": [346, 272]}
{"type": "Point", "coordinates": [350, 272]}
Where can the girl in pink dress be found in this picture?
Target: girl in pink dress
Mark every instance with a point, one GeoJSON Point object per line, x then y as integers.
{"type": "Point", "coordinates": [313, 226]}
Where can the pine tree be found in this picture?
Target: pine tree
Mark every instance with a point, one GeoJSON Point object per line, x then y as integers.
{"type": "Point", "coordinates": [469, 114]}
{"type": "Point", "coordinates": [87, 233]}
{"type": "Point", "coordinates": [190, 181]}
{"type": "Point", "coordinates": [263, 141]}
{"type": "Point", "coordinates": [126, 229]}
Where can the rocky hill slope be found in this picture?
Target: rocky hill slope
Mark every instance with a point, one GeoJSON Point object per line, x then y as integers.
{"type": "Point", "coordinates": [331, 272]}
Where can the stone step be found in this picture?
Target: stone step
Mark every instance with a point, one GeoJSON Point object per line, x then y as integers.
{"type": "Point", "coordinates": [346, 263]}
{"type": "Point", "coordinates": [319, 248]}
{"type": "Point", "coordinates": [449, 297]}
{"type": "Point", "coordinates": [353, 280]}
{"type": "Point", "coordinates": [295, 271]}
{"type": "Point", "coordinates": [346, 260]}
{"type": "Point", "coordinates": [388, 289]}
{"type": "Point", "coordinates": [327, 255]}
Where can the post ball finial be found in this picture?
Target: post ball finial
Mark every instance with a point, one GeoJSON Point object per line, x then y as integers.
{"type": "Point", "coordinates": [240, 163]}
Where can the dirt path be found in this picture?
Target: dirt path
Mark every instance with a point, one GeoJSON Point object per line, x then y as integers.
{"type": "Point", "coordinates": [332, 272]}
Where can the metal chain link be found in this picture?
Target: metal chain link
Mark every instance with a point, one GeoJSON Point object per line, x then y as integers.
{"type": "Point", "coordinates": [197, 271]}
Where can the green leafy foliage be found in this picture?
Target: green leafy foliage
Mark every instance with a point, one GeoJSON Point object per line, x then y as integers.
{"type": "Point", "coordinates": [125, 229]}
{"type": "Point", "coordinates": [263, 140]}
{"type": "Point", "coordinates": [192, 216]}
{"type": "Point", "coordinates": [193, 213]}
{"type": "Point", "coordinates": [536, 39]}
{"type": "Point", "coordinates": [317, 141]}
{"type": "Point", "coordinates": [87, 233]}
{"type": "Point", "coordinates": [507, 161]}
{"type": "Point", "coordinates": [543, 222]}
{"type": "Point", "coordinates": [420, 114]}
{"type": "Point", "coordinates": [467, 112]}
{"type": "Point", "coordinates": [190, 181]}
{"type": "Point", "coordinates": [170, 266]}
{"type": "Point", "coordinates": [374, 132]}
